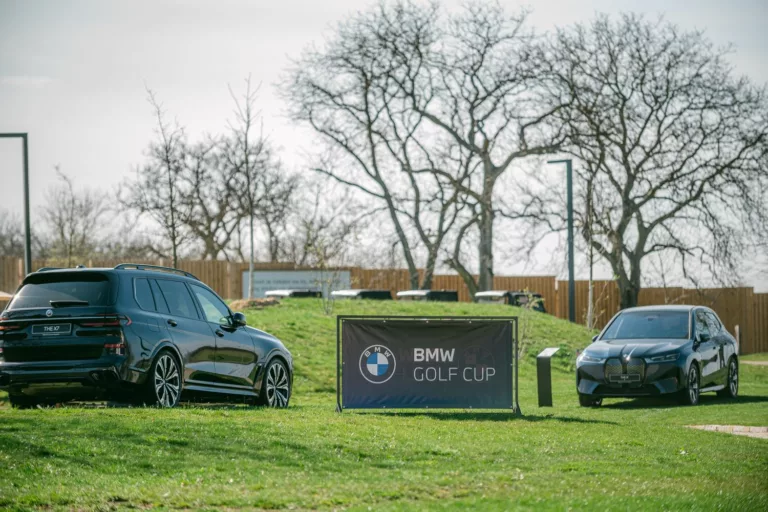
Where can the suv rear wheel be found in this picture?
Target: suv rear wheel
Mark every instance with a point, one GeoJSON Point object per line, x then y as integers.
{"type": "Point", "coordinates": [731, 389]}
{"type": "Point", "coordinates": [164, 382]}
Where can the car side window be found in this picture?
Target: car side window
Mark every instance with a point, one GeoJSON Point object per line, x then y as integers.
{"type": "Point", "coordinates": [214, 309]}
{"type": "Point", "coordinates": [702, 327]}
{"type": "Point", "coordinates": [178, 298]}
{"type": "Point", "coordinates": [714, 324]}
{"type": "Point", "coordinates": [162, 306]}
{"type": "Point", "coordinates": [143, 294]}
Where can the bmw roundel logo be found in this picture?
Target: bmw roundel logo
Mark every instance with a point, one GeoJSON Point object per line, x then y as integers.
{"type": "Point", "coordinates": [49, 312]}
{"type": "Point", "coordinates": [377, 364]}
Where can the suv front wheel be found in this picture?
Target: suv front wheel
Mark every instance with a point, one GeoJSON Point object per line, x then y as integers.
{"type": "Point", "coordinates": [276, 387]}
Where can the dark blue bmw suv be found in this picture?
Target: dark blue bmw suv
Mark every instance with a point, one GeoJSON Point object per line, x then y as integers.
{"type": "Point", "coordinates": [135, 332]}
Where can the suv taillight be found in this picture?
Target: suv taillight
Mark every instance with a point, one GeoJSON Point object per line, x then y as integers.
{"type": "Point", "coordinates": [110, 320]}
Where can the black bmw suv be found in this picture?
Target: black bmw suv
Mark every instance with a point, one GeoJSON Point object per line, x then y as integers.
{"type": "Point", "coordinates": [668, 350]}
{"type": "Point", "coordinates": [134, 332]}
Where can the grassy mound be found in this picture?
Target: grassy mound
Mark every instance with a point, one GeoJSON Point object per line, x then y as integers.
{"type": "Point", "coordinates": [310, 334]}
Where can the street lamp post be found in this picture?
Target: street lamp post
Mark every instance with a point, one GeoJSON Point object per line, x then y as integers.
{"type": "Point", "coordinates": [571, 279]}
{"type": "Point", "coordinates": [27, 230]}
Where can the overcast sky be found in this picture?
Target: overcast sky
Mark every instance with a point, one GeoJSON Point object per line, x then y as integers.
{"type": "Point", "coordinates": [73, 73]}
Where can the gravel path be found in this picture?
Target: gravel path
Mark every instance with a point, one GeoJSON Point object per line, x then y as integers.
{"type": "Point", "coordinates": [739, 430]}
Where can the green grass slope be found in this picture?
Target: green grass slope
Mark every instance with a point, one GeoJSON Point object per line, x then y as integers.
{"type": "Point", "coordinates": [626, 455]}
{"type": "Point", "coordinates": [310, 334]}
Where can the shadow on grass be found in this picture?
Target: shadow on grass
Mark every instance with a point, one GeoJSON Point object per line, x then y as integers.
{"type": "Point", "coordinates": [486, 416]}
{"type": "Point", "coordinates": [671, 402]}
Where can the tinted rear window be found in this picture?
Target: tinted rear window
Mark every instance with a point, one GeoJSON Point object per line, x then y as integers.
{"type": "Point", "coordinates": [648, 324]}
{"type": "Point", "coordinates": [40, 290]}
{"type": "Point", "coordinates": [144, 294]}
{"type": "Point", "coordinates": [178, 298]}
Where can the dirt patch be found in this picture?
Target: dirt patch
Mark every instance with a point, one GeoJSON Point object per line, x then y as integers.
{"type": "Point", "coordinates": [738, 430]}
{"type": "Point", "coordinates": [755, 363]}
{"type": "Point", "coordinates": [239, 305]}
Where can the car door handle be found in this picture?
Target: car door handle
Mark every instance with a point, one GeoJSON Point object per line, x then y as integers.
{"type": "Point", "coordinates": [172, 323]}
{"type": "Point", "coordinates": [219, 333]}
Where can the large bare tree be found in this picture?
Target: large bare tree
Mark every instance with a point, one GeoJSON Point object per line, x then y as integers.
{"type": "Point", "coordinates": [373, 141]}
{"type": "Point", "coordinates": [480, 82]}
{"type": "Point", "coordinates": [670, 142]}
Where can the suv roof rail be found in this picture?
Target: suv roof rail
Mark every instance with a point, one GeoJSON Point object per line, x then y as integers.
{"type": "Point", "coordinates": [46, 269]}
{"type": "Point", "coordinates": [141, 266]}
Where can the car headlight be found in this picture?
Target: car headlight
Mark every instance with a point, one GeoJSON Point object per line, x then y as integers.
{"type": "Point", "coordinates": [663, 359]}
{"type": "Point", "coordinates": [586, 358]}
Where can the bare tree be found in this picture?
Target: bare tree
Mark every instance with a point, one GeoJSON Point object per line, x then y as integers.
{"type": "Point", "coordinates": [374, 143]}
{"type": "Point", "coordinates": [275, 205]}
{"type": "Point", "coordinates": [209, 194]}
{"type": "Point", "coordinates": [249, 155]}
{"type": "Point", "coordinates": [72, 219]}
{"type": "Point", "coordinates": [11, 235]}
{"type": "Point", "coordinates": [155, 193]}
{"type": "Point", "coordinates": [480, 82]}
{"type": "Point", "coordinates": [322, 228]}
{"type": "Point", "coordinates": [671, 142]}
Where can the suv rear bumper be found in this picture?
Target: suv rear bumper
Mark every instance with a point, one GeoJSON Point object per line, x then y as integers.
{"type": "Point", "coordinates": [38, 378]}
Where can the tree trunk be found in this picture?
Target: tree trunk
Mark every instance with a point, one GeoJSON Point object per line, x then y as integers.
{"type": "Point", "coordinates": [485, 248]}
{"type": "Point", "coordinates": [485, 280]}
{"type": "Point", "coordinates": [466, 276]}
{"type": "Point", "coordinates": [629, 287]}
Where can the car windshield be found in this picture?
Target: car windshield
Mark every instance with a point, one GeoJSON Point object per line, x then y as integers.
{"type": "Point", "coordinates": [634, 325]}
{"type": "Point", "coordinates": [63, 291]}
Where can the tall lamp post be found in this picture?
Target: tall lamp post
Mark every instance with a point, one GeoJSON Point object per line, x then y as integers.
{"type": "Point", "coordinates": [571, 283]}
{"type": "Point", "coordinates": [27, 235]}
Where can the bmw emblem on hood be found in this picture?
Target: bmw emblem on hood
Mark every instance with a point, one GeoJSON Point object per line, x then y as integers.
{"type": "Point", "coordinates": [377, 364]}
{"type": "Point", "coordinates": [49, 313]}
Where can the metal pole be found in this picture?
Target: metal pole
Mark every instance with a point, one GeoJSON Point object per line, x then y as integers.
{"type": "Point", "coordinates": [338, 364]}
{"type": "Point", "coordinates": [27, 229]}
{"type": "Point", "coordinates": [571, 278]}
{"type": "Point", "coordinates": [571, 257]}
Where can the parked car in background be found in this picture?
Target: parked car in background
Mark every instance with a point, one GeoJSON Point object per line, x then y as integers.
{"type": "Point", "coordinates": [429, 295]}
{"type": "Point", "coordinates": [137, 332]}
{"type": "Point", "coordinates": [362, 294]}
{"type": "Point", "coordinates": [295, 294]}
{"type": "Point", "coordinates": [680, 351]}
{"type": "Point", "coordinates": [521, 298]}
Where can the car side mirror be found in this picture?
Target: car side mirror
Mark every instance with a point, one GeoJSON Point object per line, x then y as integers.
{"type": "Point", "coordinates": [238, 320]}
{"type": "Point", "coordinates": [594, 338]}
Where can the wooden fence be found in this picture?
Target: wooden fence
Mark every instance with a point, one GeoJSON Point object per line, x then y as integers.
{"type": "Point", "coordinates": [735, 306]}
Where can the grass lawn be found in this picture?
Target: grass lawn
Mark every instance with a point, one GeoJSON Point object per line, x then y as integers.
{"type": "Point", "coordinates": [756, 357]}
{"type": "Point", "coordinates": [628, 454]}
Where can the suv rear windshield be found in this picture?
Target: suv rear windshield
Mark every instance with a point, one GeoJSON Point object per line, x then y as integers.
{"type": "Point", "coordinates": [634, 325]}
{"type": "Point", "coordinates": [60, 290]}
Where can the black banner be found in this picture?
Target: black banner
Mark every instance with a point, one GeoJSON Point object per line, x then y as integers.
{"type": "Point", "coordinates": [413, 363]}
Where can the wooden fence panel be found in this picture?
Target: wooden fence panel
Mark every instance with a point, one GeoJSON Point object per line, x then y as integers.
{"type": "Point", "coordinates": [735, 306]}
{"type": "Point", "coordinates": [760, 341]}
{"type": "Point", "coordinates": [606, 301]}
{"type": "Point", "coordinates": [10, 268]}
